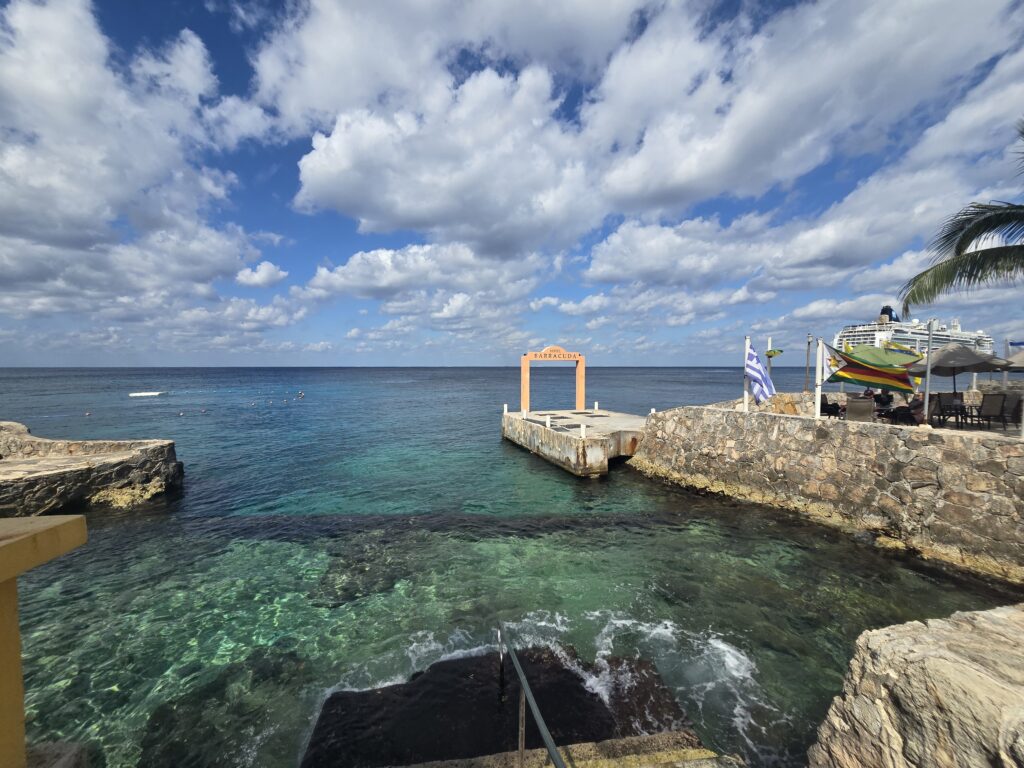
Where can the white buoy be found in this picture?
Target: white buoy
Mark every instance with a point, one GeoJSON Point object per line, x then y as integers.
{"type": "Point", "coordinates": [595, 406]}
{"type": "Point", "coordinates": [504, 408]}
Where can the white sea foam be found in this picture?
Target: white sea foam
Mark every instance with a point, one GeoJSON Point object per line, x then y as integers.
{"type": "Point", "coordinates": [714, 679]}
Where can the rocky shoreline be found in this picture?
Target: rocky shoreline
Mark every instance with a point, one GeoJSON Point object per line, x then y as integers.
{"type": "Point", "coordinates": [42, 476]}
{"type": "Point", "coordinates": [947, 692]}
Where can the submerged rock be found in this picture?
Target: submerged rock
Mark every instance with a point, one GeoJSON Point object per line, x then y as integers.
{"type": "Point", "coordinates": [944, 693]}
{"type": "Point", "coordinates": [222, 721]}
{"type": "Point", "coordinates": [457, 709]}
{"type": "Point", "coordinates": [129, 496]}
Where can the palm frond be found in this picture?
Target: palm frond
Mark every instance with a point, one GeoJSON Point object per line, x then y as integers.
{"type": "Point", "coordinates": [977, 220]}
{"type": "Point", "coordinates": [1020, 152]}
{"type": "Point", "coordinates": [965, 270]}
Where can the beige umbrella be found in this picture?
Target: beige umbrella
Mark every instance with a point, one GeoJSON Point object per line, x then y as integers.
{"type": "Point", "coordinates": [951, 359]}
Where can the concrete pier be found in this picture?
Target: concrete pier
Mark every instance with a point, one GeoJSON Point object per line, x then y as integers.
{"type": "Point", "coordinates": [581, 442]}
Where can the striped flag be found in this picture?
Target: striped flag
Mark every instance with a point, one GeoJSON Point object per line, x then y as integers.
{"type": "Point", "coordinates": [844, 367]}
{"type": "Point", "coordinates": [760, 382]}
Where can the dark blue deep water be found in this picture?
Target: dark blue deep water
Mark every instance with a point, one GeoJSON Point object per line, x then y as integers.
{"type": "Point", "coordinates": [352, 538]}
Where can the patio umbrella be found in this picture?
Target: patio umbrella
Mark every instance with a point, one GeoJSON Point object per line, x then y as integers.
{"type": "Point", "coordinates": [885, 358]}
{"type": "Point", "coordinates": [954, 358]}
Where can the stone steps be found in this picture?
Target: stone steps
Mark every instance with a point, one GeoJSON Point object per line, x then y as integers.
{"type": "Point", "coordinates": [659, 750]}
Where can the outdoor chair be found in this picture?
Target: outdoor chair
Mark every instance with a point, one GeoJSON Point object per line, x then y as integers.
{"type": "Point", "coordinates": [1011, 409]}
{"type": "Point", "coordinates": [832, 410]}
{"type": "Point", "coordinates": [991, 408]}
{"type": "Point", "coordinates": [949, 408]}
{"type": "Point", "coordinates": [860, 410]}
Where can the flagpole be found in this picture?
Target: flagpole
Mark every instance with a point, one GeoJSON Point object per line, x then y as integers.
{"type": "Point", "coordinates": [769, 349]}
{"type": "Point", "coordinates": [746, 382]}
{"type": "Point", "coordinates": [1006, 374]}
{"type": "Point", "coordinates": [928, 374]}
{"type": "Point", "coordinates": [819, 361]}
{"type": "Point", "coordinates": [807, 367]}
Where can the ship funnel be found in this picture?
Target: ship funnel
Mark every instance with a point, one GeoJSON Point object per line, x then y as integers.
{"type": "Point", "coordinates": [888, 315]}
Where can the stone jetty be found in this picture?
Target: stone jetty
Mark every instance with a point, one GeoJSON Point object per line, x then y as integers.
{"type": "Point", "coordinates": [954, 496]}
{"type": "Point", "coordinates": [41, 476]}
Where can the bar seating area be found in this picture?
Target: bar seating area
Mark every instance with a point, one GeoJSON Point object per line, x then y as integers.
{"type": "Point", "coordinates": [947, 410]}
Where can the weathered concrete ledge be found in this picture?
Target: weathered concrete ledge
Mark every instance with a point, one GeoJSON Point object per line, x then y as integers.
{"type": "Point", "coordinates": [609, 435]}
{"type": "Point", "coordinates": [953, 496]}
{"type": "Point", "coordinates": [948, 692]}
{"type": "Point", "coordinates": [40, 476]}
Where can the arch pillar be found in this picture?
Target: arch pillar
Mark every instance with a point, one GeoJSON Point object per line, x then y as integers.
{"type": "Point", "coordinates": [552, 353]}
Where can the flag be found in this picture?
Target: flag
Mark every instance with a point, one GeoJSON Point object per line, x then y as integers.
{"type": "Point", "coordinates": [896, 347]}
{"type": "Point", "coordinates": [1017, 343]}
{"type": "Point", "coordinates": [832, 365]}
{"type": "Point", "coordinates": [760, 382]}
{"type": "Point", "coordinates": [843, 367]}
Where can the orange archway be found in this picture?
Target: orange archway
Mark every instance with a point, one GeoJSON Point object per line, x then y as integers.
{"type": "Point", "coordinates": [552, 353]}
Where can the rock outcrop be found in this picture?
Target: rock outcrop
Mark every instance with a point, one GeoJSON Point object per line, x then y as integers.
{"type": "Point", "coordinates": [40, 476]}
{"type": "Point", "coordinates": [945, 693]}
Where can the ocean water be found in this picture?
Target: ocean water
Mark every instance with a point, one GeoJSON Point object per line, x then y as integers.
{"type": "Point", "coordinates": [353, 537]}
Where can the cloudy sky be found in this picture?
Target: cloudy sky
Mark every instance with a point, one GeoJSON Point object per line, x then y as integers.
{"type": "Point", "coordinates": [350, 182]}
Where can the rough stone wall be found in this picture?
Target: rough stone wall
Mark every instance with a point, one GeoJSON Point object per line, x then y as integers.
{"type": "Point", "coordinates": [790, 403]}
{"type": "Point", "coordinates": [944, 694]}
{"type": "Point", "coordinates": [40, 476]}
{"type": "Point", "coordinates": [17, 442]}
{"type": "Point", "coordinates": [949, 495]}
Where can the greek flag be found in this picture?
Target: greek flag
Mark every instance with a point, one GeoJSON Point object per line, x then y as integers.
{"type": "Point", "coordinates": [760, 382]}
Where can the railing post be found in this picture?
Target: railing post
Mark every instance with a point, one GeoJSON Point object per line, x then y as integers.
{"type": "Point", "coordinates": [501, 666]}
{"type": "Point", "coordinates": [25, 542]}
{"type": "Point", "coordinates": [522, 725]}
{"type": "Point", "coordinates": [12, 691]}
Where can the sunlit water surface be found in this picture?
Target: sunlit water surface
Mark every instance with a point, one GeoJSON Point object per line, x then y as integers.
{"type": "Point", "coordinates": [352, 538]}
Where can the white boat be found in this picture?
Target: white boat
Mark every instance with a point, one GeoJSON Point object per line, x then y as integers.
{"type": "Point", "coordinates": [145, 394]}
{"type": "Point", "coordinates": [889, 329]}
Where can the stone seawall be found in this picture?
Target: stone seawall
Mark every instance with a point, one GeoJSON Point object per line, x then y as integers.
{"type": "Point", "coordinates": [952, 496]}
{"type": "Point", "coordinates": [40, 476]}
{"type": "Point", "coordinates": [948, 692]}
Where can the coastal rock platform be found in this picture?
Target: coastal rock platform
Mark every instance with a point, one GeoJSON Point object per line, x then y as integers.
{"type": "Point", "coordinates": [947, 692]}
{"type": "Point", "coordinates": [41, 476]}
{"type": "Point", "coordinates": [458, 713]}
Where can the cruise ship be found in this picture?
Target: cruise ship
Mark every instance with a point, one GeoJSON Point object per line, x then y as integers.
{"type": "Point", "coordinates": [889, 329]}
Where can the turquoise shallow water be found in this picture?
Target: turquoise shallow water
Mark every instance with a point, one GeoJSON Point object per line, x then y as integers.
{"type": "Point", "coordinates": [353, 537]}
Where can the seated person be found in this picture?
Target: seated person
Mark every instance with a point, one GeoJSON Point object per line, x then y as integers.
{"type": "Point", "coordinates": [911, 413]}
{"type": "Point", "coordinates": [830, 409]}
{"type": "Point", "coordinates": [867, 394]}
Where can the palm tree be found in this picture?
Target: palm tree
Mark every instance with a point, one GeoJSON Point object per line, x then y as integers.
{"type": "Point", "coordinates": [955, 267]}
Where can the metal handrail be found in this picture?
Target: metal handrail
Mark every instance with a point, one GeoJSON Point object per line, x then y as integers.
{"type": "Point", "coordinates": [526, 694]}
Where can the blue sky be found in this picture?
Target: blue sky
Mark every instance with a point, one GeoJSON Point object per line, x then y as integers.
{"type": "Point", "coordinates": [443, 182]}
